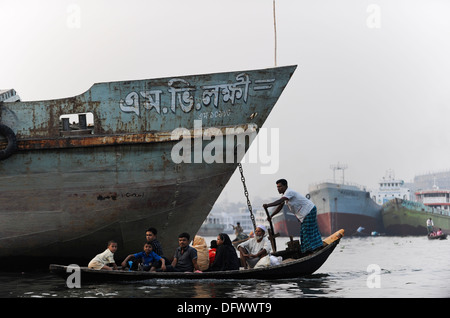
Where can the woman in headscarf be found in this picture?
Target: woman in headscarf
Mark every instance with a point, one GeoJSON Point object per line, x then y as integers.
{"type": "Point", "coordinates": [226, 256]}
{"type": "Point", "coordinates": [202, 252]}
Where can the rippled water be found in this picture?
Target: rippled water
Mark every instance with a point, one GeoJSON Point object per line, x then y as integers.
{"type": "Point", "coordinates": [367, 267]}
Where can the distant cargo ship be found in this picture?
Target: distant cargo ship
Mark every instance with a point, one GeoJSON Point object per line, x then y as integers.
{"type": "Point", "coordinates": [79, 171]}
{"type": "Point", "coordinates": [405, 217]}
{"type": "Point", "coordinates": [286, 223]}
{"type": "Point", "coordinates": [344, 206]}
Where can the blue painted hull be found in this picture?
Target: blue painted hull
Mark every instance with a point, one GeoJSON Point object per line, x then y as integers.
{"type": "Point", "coordinates": [65, 192]}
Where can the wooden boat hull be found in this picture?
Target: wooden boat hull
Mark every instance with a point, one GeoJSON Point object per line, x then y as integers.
{"type": "Point", "coordinates": [438, 237]}
{"type": "Point", "coordinates": [303, 266]}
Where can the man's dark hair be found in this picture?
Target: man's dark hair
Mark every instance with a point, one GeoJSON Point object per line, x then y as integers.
{"type": "Point", "coordinates": [153, 230]}
{"type": "Point", "coordinates": [186, 235]}
{"type": "Point", "coordinates": [282, 181]}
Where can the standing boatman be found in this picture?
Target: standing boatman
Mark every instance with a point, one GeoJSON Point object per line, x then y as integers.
{"type": "Point", "coordinates": [430, 225]}
{"type": "Point", "coordinates": [304, 210]}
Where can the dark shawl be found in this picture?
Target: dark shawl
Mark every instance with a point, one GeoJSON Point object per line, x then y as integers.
{"type": "Point", "coordinates": [226, 256]}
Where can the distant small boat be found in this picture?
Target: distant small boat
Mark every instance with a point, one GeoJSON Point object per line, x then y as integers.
{"type": "Point", "coordinates": [291, 267]}
{"type": "Point", "coordinates": [240, 238]}
{"type": "Point", "coordinates": [438, 237]}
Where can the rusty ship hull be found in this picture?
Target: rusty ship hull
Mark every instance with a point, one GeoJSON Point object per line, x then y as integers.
{"type": "Point", "coordinates": [286, 223]}
{"type": "Point", "coordinates": [341, 206]}
{"type": "Point", "coordinates": [65, 191]}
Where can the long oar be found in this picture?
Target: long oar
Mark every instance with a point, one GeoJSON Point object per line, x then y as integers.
{"type": "Point", "coordinates": [272, 235]}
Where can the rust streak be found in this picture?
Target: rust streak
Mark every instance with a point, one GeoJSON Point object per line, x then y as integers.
{"type": "Point", "coordinates": [107, 140]}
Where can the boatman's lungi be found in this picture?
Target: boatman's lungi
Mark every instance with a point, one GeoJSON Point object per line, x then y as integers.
{"type": "Point", "coordinates": [310, 237]}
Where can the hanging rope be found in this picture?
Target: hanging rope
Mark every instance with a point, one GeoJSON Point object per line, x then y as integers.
{"type": "Point", "coordinates": [249, 205]}
{"type": "Point", "coordinates": [275, 32]}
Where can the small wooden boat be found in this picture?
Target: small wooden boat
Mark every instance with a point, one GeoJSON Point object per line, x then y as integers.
{"type": "Point", "coordinates": [240, 239]}
{"type": "Point", "coordinates": [443, 236]}
{"type": "Point", "coordinates": [294, 265]}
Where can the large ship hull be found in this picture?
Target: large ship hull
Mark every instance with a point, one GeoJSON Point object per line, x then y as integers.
{"type": "Point", "coordinates": [65, 193]}
{"type": "Point", "coordinates": [403, 217]}
{"type": "Point", "coordinates": [286, 223]}
{"type": "Point", "coordinates": [345, 207]}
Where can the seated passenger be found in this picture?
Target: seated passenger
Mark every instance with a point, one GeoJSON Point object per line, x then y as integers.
{"type": "Point", "coordinates": [202, 252]}
{"type": "Point", "coordinates": [148, 259]}
{"type": "Point", "coordinates": [105, 260]}
{"type": "Point", "coordinates": [185, 258]}
{"type": "Point", "coordinates": [226, 256]}
{"type": "Point", "coordinates": [254, 249]}
{"type": "Point", "coordinates": [212, 251]}
{"type": "Point", "coordinates": [150, 236]}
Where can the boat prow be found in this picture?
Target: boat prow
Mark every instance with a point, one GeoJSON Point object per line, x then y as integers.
{"type": "Point", "coordinates": [291, 267]}
{"type": "Point", "coordinates": [122, 157]}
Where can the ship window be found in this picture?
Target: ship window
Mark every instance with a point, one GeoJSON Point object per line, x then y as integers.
{"type": "Point", "coordinates": [76, 124]}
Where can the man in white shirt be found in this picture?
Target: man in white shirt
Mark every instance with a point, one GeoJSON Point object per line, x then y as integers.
{"type": "Point", "coordinates": [252, 250]}
{"type": "Point", "coordinates": [304, 210]}
{"type": "Point", "coordinates": [430, 225]}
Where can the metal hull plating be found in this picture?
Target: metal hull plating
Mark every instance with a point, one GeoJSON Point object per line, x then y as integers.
{"type": "Point", "coordinates": [65, 193]}
{"type": "Point", "coordinates": [73, 211]}
{"type": "Point", "coordinates": [345, 207]}
{"type": "Point", "coordinates": [403, 217]}
{"type": "Point", "coordinates": [286, 223]}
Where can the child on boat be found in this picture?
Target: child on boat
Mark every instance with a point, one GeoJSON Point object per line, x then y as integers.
{"type": "Point", "coordinates": [105, 260]}
{"type": "Point", "coordinates": [212, 251]}
{"type": "Point", "coordinates": [148, 259]}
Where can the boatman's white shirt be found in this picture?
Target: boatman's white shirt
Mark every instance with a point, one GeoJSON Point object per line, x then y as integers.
{"type": "Point", "coordinates": [298, 204]}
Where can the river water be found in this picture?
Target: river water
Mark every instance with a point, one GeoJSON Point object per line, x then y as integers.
{"type": "Point", "coordinates": [382, 267]}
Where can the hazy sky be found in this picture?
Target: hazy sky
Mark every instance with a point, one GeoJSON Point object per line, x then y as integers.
{"type": "Point", "coordinates": [372, 87]}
